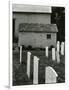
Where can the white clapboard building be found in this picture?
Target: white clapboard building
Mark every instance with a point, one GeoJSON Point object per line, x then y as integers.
{"type": "Point", "coordinates": [33, 25]}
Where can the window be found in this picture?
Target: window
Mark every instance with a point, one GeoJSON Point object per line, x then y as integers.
{"type": "Point", "coordinates": [48, 36]}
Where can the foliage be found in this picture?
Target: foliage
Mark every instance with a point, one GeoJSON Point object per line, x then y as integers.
{"type": "Point", "coordinates": [58, 18]}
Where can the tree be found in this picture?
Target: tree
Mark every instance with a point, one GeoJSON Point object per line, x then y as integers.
{"type": "Point", "coordinates": [58, 18]}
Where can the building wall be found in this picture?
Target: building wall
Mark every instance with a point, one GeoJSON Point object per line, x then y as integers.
{"type": "Point", "coordinates": [30, 18]}
{"type": "Point", "coordinates": [37, 39]}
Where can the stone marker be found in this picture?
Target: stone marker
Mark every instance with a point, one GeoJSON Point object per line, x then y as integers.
{"type": "Point", "coordinates": [58, 57]}
{"type": "Point", "coordinates": [46, 51]}
{"type": "Point", "coordinates": [28, 63]}
{"type": "Point", "coordinates": [58, 46]}
{"type": "Point", "coordinates": [62, 48]}
{"type": "Point", "coordinates": [20, 54]}
{"type": "Point", "coordinates": [35, 70]}
{"type": "Point", "coordinates": [50, 75]}
{"type": "Point", "coordinates": [53, 54]}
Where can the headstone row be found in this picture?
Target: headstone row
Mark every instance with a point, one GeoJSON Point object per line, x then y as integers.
{"type": "Point", "coordinates": [55, 54]}
{"type": "Point", "coordinates": [35, 67]}
{"type": "Point", "coordinates": [50, 73]}
{"type": "Point", "coordinates": [60, 46]}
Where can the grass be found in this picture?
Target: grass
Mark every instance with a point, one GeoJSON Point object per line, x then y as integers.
{"type": "Point", "coordinates": [19, 70]}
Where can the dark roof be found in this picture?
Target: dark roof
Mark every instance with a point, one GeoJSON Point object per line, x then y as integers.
{"type": "Point", "coordinates": [34, 27]}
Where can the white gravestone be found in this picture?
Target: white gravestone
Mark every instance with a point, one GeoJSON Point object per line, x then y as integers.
{"type": "Point", "coordinates": [62, 48]}
{"type": "Point", "coordinates": [50, 75]}
{"type": "Point", "coordinates": [28, 63]}
{"type": "Point", "coordinates": [46, 51]}
{"type": "Point", "coordinates": [20, 54]}
{"type": "Point", "coordinates": [58, 46]}
{"type": "Point", "coordinates": [53, 54]}
{"type": "Point", "coordinates": [58, 57]}
{"type": "Point", "coordinates": [35, 70]}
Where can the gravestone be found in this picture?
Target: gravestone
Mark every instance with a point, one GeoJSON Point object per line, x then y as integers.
{"type": "Point", "coordinates": [20, 54]}
{"type": "Point", "coordinates": [58, 46]}
{"type": "Point", "coordinates": [28, 63]}
{"type": "Point", "coordinates": [58, 57]}
{"type": "Point", "coordinates": [62, 48]}
{"type": "Point", "coordinates": [53, 54]}
{"type": "Point", "coordinates": [46, 51]}
{"type": "Point", "coordinates": [35, 70]}
{"type": "Point", "coordinates": [50, 75]}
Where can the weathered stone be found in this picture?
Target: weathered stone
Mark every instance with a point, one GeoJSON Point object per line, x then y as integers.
{"type": "Point", "coordinates": [28, 63]}
{"type": "Point", "coordinates": [35, 70]}
{"type": "Point", "coordinates": [50, 75]}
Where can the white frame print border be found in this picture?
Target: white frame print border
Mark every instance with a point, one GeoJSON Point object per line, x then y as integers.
{"type": "Point", "coordinates": [10, 41]}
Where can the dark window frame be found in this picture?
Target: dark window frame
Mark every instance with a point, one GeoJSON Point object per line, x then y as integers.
{"type": "Point", "coordinates": [48, 36]}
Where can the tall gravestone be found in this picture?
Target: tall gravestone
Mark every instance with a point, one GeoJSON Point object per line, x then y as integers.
{"type": "Point", "coordinates": [53, 54]}
{"type": "Point", "coordinates": [58, 57]}
{"type": "Point", "coordinates": [62, 48]}
{"type": "Point", "coordinates": [46, 51]}
{"type": "Point", "coordinates": [28, 63]}
{"type": "Point", "coordinates": [35, 70]}
{"type": "Point", "coordinates": [20, 54]}
{"type": "Point", "coordinates": [58, 46]}
{"type": "Point", "coordinates": [50, 75]}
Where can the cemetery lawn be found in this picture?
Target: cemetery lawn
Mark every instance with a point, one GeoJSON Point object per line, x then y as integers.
{"type": "Point", "coordinates": [19, 70]}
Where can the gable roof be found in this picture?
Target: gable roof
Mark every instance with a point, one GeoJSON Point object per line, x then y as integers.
{"type": "Point", "coordinates": [35, 27]}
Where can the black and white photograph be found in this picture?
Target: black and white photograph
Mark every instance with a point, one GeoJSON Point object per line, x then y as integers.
{"type": "Point", "coordinates": [38, 44]}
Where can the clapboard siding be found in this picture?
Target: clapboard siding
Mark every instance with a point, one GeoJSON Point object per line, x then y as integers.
{"type": "Point", "coordinates": [37, 39]}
